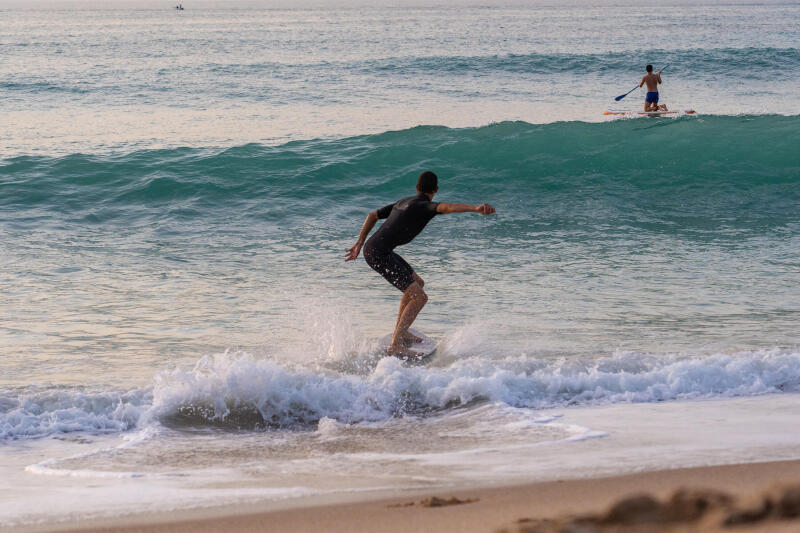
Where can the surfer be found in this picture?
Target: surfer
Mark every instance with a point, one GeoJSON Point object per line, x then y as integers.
{"type": "Point", "coordinates": [652, 81]}
{"type": "Point", "coordinates": [405, 219]}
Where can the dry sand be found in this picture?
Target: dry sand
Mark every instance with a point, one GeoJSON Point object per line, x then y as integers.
{"type": "Point", "coordinates": [485, 509]}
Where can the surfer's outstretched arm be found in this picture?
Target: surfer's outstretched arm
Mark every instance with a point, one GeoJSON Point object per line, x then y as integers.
{"type": "Point", "coordinates": [369, 223]}
{"type": "Point", "coordinates": [484, 209]}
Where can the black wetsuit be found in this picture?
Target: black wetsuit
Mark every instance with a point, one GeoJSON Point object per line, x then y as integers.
{"type": "Point", "coordinates": [406, 218]}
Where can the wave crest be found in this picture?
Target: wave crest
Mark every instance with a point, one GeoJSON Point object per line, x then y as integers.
{"type": "Point", "coordinates": [237, 391]}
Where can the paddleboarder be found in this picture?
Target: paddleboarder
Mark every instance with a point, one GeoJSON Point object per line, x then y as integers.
{"type": "Point", "coordinates": [405, 219]}
{"type": "Point", "coordinates": [652, 81]}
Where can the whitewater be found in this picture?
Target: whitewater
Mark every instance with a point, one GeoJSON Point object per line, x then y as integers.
{"type": "Point", "coordinates": [179, 328]}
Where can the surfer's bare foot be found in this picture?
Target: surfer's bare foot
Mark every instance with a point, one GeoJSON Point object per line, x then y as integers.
{"type": "Point", "coordinates": [410, 338]}
{"type": "Point", "coordinates": [402, 352]}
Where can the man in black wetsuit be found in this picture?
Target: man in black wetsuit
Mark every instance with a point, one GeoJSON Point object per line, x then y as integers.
{"type": "Point", "coordinates": [406, 218]}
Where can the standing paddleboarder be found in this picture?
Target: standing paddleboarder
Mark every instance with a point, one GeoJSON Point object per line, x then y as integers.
{"type": "Point", "coordinates": [406, 218]}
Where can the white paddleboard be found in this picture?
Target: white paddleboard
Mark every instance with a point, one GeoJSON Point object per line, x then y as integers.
{"type": "Point", "coordinates": [426, 348]}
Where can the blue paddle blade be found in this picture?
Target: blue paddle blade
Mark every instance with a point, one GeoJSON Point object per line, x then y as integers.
{"type": "Point", "coordinates": [620, 97]}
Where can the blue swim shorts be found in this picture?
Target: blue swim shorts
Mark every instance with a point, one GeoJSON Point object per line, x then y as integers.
{"type": "Point", "coordinates": [652, 97]}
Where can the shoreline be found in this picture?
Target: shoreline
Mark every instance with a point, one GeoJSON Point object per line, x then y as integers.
{"type": "Point", "coordinates": [485, 509]}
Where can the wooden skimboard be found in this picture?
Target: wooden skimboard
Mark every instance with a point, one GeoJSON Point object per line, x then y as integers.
{"type": "Point", "coordinates": [427, 348]}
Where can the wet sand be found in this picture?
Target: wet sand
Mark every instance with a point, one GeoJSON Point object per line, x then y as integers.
{"type": "Point", "coordinates": [487, 509]}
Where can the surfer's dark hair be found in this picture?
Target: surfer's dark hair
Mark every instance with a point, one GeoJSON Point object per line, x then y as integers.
{"type": "Point", "coordinates": [428, 182]}
{"type": "Point", "coordinates": [649, 68]}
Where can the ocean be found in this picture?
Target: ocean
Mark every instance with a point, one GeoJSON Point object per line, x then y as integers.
{"type": "Point", "coordinates": [178, 326]}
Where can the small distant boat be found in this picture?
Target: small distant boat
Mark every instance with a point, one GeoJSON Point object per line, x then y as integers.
{"type": "Point", "coordinates": [179, 7]}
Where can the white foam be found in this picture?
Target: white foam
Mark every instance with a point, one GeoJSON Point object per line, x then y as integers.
{"type": "Point", "coordinates": [235, 386]}
{"type": "Point", "coordinates": [329, 427]}
{"type": "Point", "coordinates": [284, 395]}
{"type": "Point", "coordinates": [144, 435]}
{"type": "Point", "coordinates": [45, 468]}
{"type": "Point", "coordinates": [580, 433]}
{"type": "Point", "coordinates": [48, 466]}
{"type": "Point", "coordinates": [36, 412]}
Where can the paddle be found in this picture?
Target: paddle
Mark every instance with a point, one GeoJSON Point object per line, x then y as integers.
{"type": "Point", "coordinates": [620, 97]}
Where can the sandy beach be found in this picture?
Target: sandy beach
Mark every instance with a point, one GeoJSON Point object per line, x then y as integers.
{"type": "Point", "coordinates": [485, 509]}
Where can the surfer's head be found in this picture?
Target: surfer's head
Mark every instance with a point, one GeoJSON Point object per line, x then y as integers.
{"type": "Point", "coordinates": [427, 183]}
{"type": "Point", "coordinates": [649, 68]}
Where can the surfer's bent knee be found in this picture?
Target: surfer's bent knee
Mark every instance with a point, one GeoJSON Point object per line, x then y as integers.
{"type": "Point", "coordinates": [416, 291]}
{"type": "Point", "coordinates": [418, 279]}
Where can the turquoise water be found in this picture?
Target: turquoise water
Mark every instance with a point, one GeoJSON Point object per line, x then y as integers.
{"type": "Point", "coordinates": [159, 256]}
{"type": "Point", "coordinates": [177, 191]}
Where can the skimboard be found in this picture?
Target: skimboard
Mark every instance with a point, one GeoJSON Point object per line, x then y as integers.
{"type": "Point", "coordinates": [648, 113]}
{"type": "Point", "coordinates": [426, 348]}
